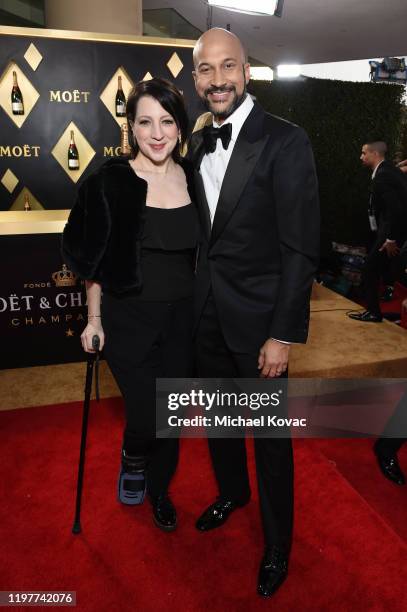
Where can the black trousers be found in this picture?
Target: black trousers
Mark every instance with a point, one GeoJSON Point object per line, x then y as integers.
{"type": "Point", "coordinates": [274, 457]}
{"type": "Point", "coordinates": [388, 444]}
{"type": "Point", "coordinates": [145, 341]}
{"type": "Point", "coordinates": [378, 266]}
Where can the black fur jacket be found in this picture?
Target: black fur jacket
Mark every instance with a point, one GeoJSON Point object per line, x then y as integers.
{"type": "Point", "coordinates": [102, 238]}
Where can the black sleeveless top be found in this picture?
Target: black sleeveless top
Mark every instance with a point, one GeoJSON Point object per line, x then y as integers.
{"type": "Point", "coordinates": [168, 250]}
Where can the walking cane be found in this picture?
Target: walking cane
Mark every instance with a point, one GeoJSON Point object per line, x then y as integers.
{"type": "Point", "coordinates": [92, 359]}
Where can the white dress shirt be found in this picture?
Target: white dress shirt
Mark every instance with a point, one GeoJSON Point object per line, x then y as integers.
{"type": "Point", "coordinates": [375, 170]}
{"type": "Point", "coordinates": [214, 165]}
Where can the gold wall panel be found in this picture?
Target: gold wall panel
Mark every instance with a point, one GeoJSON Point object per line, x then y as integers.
{"type": "Point", "coordinates": [85, 150]}
{"type": "Point", "coordinates": [108, 95]}
{"type": "Point", "coordinates": [13, 222]}
{"type": "Point", "coordinates": [33, 57]}
{"type": "Point", "coordinates": [147, 77]}
{"type": "Point", "coordinates": [18, 203]}
{"type": "Point", "coordinates": [30, 94]}
{"type": "Point", "coordinates": [9, 180]}
{"type": "Point", "coordinates": [175, 65]}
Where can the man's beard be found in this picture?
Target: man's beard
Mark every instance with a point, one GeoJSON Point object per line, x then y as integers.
{"type": "Point", "coordinates": [226, 112]}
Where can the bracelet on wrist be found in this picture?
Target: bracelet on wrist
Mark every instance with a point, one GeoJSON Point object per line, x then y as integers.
{"type": "Point", "coordinates": [94, 316]}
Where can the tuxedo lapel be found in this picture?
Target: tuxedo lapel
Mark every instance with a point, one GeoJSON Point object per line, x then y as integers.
{"type": "Point", "coordinates": [203, 207]}
{"type": "Point", "coordinates": [246, 153]}
{"type": "Point", "coordinates": [195, 155]}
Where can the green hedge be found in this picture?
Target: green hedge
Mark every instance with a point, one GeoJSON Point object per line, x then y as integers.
{"type": "Point", "coordinates": [339, 117]}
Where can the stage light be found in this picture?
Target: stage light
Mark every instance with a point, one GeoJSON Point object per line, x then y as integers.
{"type": "Point", "coordinates": [288, 71]}
{"type": "Point", "coordinates": [252, 7]}
{"type": "Point", "coordinates": [261, 73]}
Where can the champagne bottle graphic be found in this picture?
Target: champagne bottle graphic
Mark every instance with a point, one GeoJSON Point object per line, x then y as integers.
{"type": "Point", "coordinates": [120, 99]}
{"type": "Point", "coordinates": [73, 155]}
{"type": "Point", "coordinates": [17, 104]}
{"type": "Point", "coordinates": [27, 205]}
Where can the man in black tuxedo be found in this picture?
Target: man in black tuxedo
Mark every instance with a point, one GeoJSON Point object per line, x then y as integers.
{"type": "Point", "coordinates": [388, 224]}
{"type": "Point", "coordinates": [258, 204]}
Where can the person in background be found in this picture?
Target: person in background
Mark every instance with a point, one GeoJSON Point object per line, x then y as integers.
{"type": "Point", "coordinates": [390, 442]}
{"type": "Point", "coordinates": [132, 235]}
{"type": "Point", "coordinates": [390, 273]}
{"type": "Point", "coordinates": [388, 224]}
{"type": "Point", "coordinates": [387, 446]}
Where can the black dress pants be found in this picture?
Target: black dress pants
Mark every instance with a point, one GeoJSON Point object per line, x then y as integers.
{"type": "Point", "coordinates": [144, 341]}
{"type": "Point", "coordinates": [375, 266]}
{"type": "Point", "coordinates": [378, 265]}
{"type": "Point", "coordinates": [274, 457]}
{"type": "Point", "coordinates": [388, 444]}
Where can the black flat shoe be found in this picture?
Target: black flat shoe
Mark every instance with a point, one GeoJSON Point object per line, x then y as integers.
{"type": "Point", "coordinates": [217, 514]}
{"type": "Point", "coordinates": [390, 467]}
{"type": "Point", "coordinates": [164, 513]}
{"type": "Point", "coordinates": [366, 317]}
{"type": "Point", "coordinates": [272, 572]}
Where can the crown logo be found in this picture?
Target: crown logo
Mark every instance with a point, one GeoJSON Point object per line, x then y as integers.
{"type": "Point", "coordinates": [64, 277]}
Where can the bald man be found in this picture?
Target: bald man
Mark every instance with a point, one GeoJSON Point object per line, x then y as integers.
{"type": "Point", "coordinates": [258, 205]}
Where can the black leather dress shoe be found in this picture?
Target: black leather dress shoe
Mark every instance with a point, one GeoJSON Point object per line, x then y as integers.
{"type": "Point", "coordinates": [366, 317]}
{"type": "Point", "coordinates": [390, 468]}
{"type": "Point", "coordinates": [217, 514]}
{"type": "Point", "coordinates": [273, 571]}
{"type": "Point", "coordinates": [387, 294]}
{"type": "Point", "coordinates": [164, 513]}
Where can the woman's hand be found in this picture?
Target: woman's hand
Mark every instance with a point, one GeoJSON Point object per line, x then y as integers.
{"type": "Point", "coordinates": [93, 328]}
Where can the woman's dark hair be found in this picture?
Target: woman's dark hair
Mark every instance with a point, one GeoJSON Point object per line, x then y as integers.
{"type": "Point", "coordinates": [170, 99]}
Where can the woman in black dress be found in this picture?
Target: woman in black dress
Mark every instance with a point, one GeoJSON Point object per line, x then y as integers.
{"type": "Point", "coordinates": [132, 235]}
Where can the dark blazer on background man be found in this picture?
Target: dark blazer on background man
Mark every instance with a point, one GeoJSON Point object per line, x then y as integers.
{"type": "Point", "coordinates": [260, 257]}
{"type": "Point", "coordinates": [388, 199]}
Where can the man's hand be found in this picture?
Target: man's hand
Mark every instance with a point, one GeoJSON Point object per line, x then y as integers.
{"type": "Point", "coordinates": [391, 248]}
{"type": "Point", "coordinates": [273, 358]}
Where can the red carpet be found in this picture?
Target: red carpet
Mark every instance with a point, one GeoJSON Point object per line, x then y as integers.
{"type": "Point", "coordinates": [349, 549]}
{"type": "Point", "coordinates": [353, 458]}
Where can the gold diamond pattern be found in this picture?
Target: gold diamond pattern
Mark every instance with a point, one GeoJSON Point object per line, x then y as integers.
{"type": "Point", "coordinates": [147, 77]}
{"type": "Point", "coordinates": [18, 203]}
{"type": "Point", "coordinates": [30, 94]}
{"type": "Point", "coordinates": [108, 95]}
{"type": "Point", "coordinates": [33, 57]}
{"type": "Point", "coordinates": [175, 65]}
{"type": "Point", "coordinates": [9, 180]}
{"type": "Point", "coordinates": [85, 151]}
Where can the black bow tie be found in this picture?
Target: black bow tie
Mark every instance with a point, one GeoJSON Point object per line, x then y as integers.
{"type": "Point", "coordinates": [211, 134]}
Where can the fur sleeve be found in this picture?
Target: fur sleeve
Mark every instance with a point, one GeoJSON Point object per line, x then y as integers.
{"type": "Point", "coordinates": [87, 231]}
